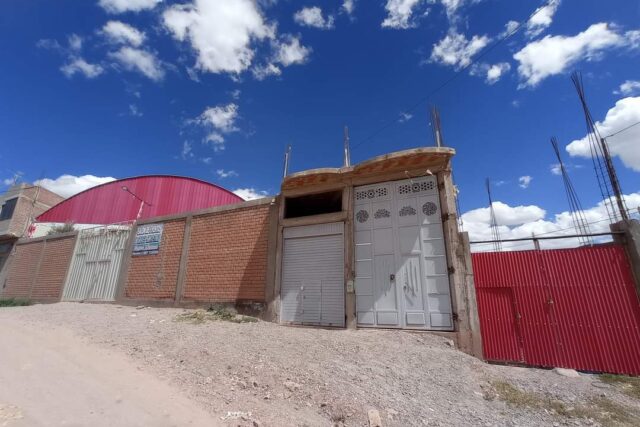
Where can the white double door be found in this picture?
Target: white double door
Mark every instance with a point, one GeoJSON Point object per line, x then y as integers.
{"type": "Point", "coordinates": [401, 278]}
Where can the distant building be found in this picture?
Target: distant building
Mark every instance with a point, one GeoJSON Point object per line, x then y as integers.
{"type": "Point", "coordinates": [19, 206]}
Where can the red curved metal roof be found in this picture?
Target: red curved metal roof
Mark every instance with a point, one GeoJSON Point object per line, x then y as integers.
{"type": "Point", "coordinates": [166, 194]}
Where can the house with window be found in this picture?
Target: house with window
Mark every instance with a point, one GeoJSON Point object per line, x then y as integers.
{"type": "Point", "coordinates": [19, 206]}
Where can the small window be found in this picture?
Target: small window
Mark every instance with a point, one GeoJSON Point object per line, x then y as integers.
{"type": "Point", "coordinates": [313, 204]}
{"type": "Point", "coordinates": [8, 208]}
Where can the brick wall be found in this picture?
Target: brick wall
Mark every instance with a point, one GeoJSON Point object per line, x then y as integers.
{"type": "Point", "coordinates": [32, 201]}
{"type": "Point", "coordinates": [154, 277]}
{"type": "Point", "coordinates": [226, 258]}
{"type": "Point", "coordinates": [37, 269]}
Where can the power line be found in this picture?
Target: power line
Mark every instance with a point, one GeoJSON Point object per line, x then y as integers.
{"type": "Point", "coordinates": [456, 74]}
{"type": "Point", "coordinates": [622, 130]}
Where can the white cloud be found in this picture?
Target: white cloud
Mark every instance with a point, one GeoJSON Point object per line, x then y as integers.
{"type": "Point", "coordinates": [554, 54]}
{"type": "Point", "coordinates": [522, 221]}
{"type": "Point", "coordinates": [456, 50]}
{"type": "Point", "coordinates": [491, 73]}
{"type": "Point", "coordinates": [405, 117]}
{"type": "Point", "coordinates": [290, 51]}
{"type": "Point", "coordinates": [75, 42]}
{"type": "Point", "coordinates": [629, 87]}
{"type": "Point", "coordinates": [80, 66]}
{"type": "Point", "coordinates": [509, 28]}
{"type": "Point", "coordinates": [218, 120]}
{"type": "Point", "coordinates": [135, 111]}
{"type": "Point", "coordinates": [68, 185]}
{"type": "Point", "coordinates": [120, 33]}
{"type": "Point", "coordinates": [555, 169]}
{"type": "Point", "coordinates": [525, 181]}
{"type": "Point", "coordinates": [187, 152]}
{"type": "Point", "coordinates": [120, 6]}
{"type": "Point", "coordinates": [222, 174]}
{"type": "Point", "coordinates": [249, 193]}
{"type": "Point", "coordinates": [139, 60]}
{"type": "Point", "coordinates": [312, 17]}
{"type": "Point", "coordinates": [542, 19]}
{"type": "Point", "coordinates": [220, 32]}
{"type": "Point", "coordinates": [399, 13]}
{"type": "Point", "coordinates": [261, 72]}
{"type": "Point", "coordinates": [221, 117]}
{"type": "Point", "coordinates": [349, 6]}
{"type": "Point", "coordinates": [625, 113]}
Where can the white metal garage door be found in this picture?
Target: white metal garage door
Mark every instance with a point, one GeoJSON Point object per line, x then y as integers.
{"type": "Point", "coordinates": [401, 266]}
{"type": "Point", "coordinates": [312, 291]}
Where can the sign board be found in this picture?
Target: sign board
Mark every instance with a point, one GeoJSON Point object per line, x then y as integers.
{"type": "Point", "coordinates": [148, 238]}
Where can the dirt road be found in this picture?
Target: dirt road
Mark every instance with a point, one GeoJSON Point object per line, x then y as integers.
{"type": "Point", "coordinates": [99, 364]}
{"type": "Point", "coordinates": [54, 378]}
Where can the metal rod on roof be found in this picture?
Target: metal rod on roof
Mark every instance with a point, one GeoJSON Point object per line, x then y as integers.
{"type": "Point", "coordinates": [287, 155]}
{"type": "Point", "coordinates": [347, 150]}
{"type": "Point", "coordinates": [436, 126]}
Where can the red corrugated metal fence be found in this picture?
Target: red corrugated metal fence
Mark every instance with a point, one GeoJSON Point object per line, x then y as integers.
{"type": "Point", "coordinates": [573, 308]}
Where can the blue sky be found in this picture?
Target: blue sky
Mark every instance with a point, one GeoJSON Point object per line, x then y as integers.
{"type": "Point", "coordinates": [216, 89]}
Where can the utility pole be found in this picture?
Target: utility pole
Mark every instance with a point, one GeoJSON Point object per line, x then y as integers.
{"type": "Point", "coordinates": [613, 177]}
{"type": "Point", "coordinates": [287, 155]}
{"type": "Point", "coordinates": [347, 150]}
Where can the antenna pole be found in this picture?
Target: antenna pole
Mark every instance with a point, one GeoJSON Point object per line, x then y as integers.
{"type": "Point", "coordinates": [613, 177]}
{"type": "Point", "coordinates": [347, 150]}
{"type": "Point", "coordinates": [287, 155]}
{"type": "Point", "coordinates": [436, 126]}
{"type": "Point", "coordinates": [497, 245]}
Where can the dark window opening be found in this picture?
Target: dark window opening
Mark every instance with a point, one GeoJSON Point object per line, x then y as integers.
{"type": "Point", "coordinates": [7, 209]}
{"type": "Point", "coordinates": [313, 204]}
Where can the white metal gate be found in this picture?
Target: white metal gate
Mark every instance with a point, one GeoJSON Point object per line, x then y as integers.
{"type": "Point", "coordinates": [96, 262]}
{"type": "Point", "coordinates": [312, 291]}
{"type": "Point", "coordinates": [402, 278]}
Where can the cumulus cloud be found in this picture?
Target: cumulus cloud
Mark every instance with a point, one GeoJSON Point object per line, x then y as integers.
{"type": "Point", "coordinates": [405, 117]}
{"type": "Point", "coordinates": [456, 50]}
{"type": "Point", "coordinates": [555, 54]}
{"type": "Point", "coordinates": [80, 66]}
{"type": "Point", "coordinates": [625, 113]}
{"type": "Point", "coordinates": [222, 174]}
{"type": "Point", "coordinates": [629, 87]}
{"type": "Point", "coordinates": [399, 13]}
{"type": "Point", "coordinates": [261, 72]}
{"type": "Point", "coordinates": [249, 193]}
{"type": "Point", "coordinates": [218, 121]}
{"type": "Point", "coordinates": [220, 32]}
{"type": "Point", "coordinates": [120, 33]}
{"type": "Point", "coordinates": [491, 73]}
{"type": "Point", "coordinates": [139, 60]}
{"type": "Point", "coordinates": [349, 6]}
{"type": "Point", "coordinates": [542, 19]}
{"type": "Point", "coordinates": [522, 221]}
{"type": "Point", "coordinates": [524, 181]}
{"type": "Point", "coordinates": [68, 185]}
{"type": "Point", "coordinates": [312, 17]}
{"type": "Point", "coordinates": [187, 151]}
{"type": "Point", "coordinates": [509, 28]}
{"type": "Point", "coordinates": [120, 6]}
{"type": "Point", "coordinates": [290, 51]}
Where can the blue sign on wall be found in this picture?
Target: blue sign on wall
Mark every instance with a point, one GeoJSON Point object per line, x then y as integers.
{"type": "Point", "coordinates": [148, 238]}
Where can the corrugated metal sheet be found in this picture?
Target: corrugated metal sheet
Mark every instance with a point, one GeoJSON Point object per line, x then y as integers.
{"type": "Point", "coordinates": [574, 308]}
{"type": "Point", "coordinates": [110, 204]}
{"type": "Point", "coordinates": [96, 263]}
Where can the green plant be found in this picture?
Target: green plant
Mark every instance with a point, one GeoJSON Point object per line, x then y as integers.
{"type": "Point", "coordinates": [63, 228]}
{"type": "Point", "coordinates": [14, 302]}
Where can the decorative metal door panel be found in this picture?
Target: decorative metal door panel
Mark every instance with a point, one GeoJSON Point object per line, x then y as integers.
{"type": "Point", "coordinates": [400, 253]}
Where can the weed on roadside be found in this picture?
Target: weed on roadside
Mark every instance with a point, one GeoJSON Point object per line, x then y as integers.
{"type": "Point", "coordinates": [603, 410]}
{"type": "Point", "coordinates": [201, 316]}
{"type": "Point", "coordinates": [14, 302]}
{"type": "Point", "coordinates": [628, 385]}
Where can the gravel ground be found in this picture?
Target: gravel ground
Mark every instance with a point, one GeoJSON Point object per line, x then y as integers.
{"type": "Point", "coordinates": [265, 374]}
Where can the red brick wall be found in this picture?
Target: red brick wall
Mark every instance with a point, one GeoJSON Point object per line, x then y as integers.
{"type": "Point", "coordinates": [228, 256]}
{"type": "Point", "coordinates": [46, 261]}
{"type": "Point", "coordinates": [53, 269]}
{"type": "Point", "coordinates": [226, 262]}
{"type": "Point", "coordinates": [154, 277]}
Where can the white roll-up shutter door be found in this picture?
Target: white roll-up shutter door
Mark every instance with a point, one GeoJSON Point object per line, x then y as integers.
{"type": "Point", "coordinates": [312, 291]}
